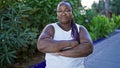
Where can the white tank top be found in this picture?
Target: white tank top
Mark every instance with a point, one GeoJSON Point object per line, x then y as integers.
{"type": "Point", "coordinates": [57, 61]}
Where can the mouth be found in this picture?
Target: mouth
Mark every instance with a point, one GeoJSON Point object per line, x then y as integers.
{"type": "Point", "coordinates": [64, 18]}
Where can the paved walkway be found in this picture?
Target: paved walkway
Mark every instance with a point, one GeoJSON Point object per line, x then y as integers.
{"type": "Point", "coordinates": [106, 54]}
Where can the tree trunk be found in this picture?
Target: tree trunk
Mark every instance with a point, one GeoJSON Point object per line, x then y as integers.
{"type": "Point", "coordinates": [107, 8]}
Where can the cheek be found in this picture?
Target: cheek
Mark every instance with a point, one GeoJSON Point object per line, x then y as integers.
{"type": "Point", "coordinates": [70, 15]}
{"type": "Point", "coordinates": [57, 16]}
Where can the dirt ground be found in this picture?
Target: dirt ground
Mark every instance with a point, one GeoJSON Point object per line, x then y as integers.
{"type": "Point", "coordinates": [37, 58]}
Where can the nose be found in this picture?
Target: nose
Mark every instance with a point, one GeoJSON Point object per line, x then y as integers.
{"type": "Point", "coordinates": [63, 13]}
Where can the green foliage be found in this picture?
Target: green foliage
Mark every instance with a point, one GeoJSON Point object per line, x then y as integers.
{"type": "Point", "coordinates": [15, 33]}
{"type": "Point", "coordinates": [114, 6]}
{"type": "Point", "coordinates": [100, 27]}
{"type": "Point", "coordinates": [44, 12]}
{"type": "Point", "coordinates": [80, 19]}
{"type": "Point", "coordinates": [90, 13]}
{"type": "Point", "coordinates": [21, 21]}
{"type": "Point", "coordinates": [7, 55]}
{"type": "Point", "coordinates": [99, 7]}
{"type": "Point", "coordinates": [20, 24]}
{"type": "Point", "coordinates": [116, 19]}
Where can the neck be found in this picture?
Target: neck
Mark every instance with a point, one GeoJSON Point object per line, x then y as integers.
{"type": "Point", "coordinates": [65, 26]}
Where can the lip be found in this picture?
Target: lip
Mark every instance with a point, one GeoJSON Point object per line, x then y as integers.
{"type": "Point", "coordinates": [64, 18]}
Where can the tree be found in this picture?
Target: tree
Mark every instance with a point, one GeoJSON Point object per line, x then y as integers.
{"type": "Point", "coordinates": [95, 7]}
{"type": "Point", "coordinates": [114, 5]}
{"type": "Point", "coordinates": [107, 7]}
{"type": "Point", "coordinates": [99, 7]}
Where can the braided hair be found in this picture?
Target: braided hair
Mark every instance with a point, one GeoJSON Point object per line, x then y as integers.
{"type": "Point", "coordinates": [74, 31]}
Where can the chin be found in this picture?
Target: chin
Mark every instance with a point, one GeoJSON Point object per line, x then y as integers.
{"type": "Point", "coordinates": [64, 21]}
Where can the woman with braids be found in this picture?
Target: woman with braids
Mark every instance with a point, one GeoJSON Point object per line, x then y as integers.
{"type": "Point", "coordinates": [65, 43]}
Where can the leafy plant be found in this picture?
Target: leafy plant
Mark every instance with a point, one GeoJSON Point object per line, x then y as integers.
{"type": "Point", "coordinates": [21, 22]}
{"type": "Point", "coordinates": [100, 27]}
{"type": "Point", "coordinates": [15, 32]}
{"type": "Point", "coordinates": [116, 19]}
{"type": "Point", "coordinates": [7, 55]}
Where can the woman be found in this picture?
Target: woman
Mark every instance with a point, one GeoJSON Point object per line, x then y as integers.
{"type": "Point", "coordinates": [65, 43]}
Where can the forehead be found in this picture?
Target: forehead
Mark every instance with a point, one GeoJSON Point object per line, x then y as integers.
{"type": "Point", "coordinates": [67, 5]}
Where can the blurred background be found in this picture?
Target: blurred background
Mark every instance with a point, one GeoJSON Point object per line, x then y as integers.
{"type": "Point", "coordinates": [21, 22]}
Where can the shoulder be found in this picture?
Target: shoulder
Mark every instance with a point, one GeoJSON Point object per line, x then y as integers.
{"type": "Point", "coordinates": [50, 26]}
{"type": "Point", "coordinates": [83, 31]}
{"type": "Point", "coordinates": [49, 29]}
{"type": "Point", "coordinates": [81, 27]}
{"type": "Point", "coordinates": [78, 25]}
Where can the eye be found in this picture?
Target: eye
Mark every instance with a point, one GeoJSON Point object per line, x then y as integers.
{"type": "Point", "coordinates": [59, 11]}
{"type": "Point", "coordinates": [67, 11]}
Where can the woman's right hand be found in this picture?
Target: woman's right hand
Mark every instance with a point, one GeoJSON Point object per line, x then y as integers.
{"type": "Point", "coordinates": [73, 43]}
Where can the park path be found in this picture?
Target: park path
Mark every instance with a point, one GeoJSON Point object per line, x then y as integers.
{"type": "Point", "coordinates": [106, 53]}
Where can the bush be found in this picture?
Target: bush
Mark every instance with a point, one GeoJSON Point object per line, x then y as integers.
{"type": "Point", "coordinates": [100, 27]}
{"type": "Point", "coordinates": [21, 22]}
{"type": "Point", "coordinates": [15, 33]}
{"type": "Point", "coordinates": [116, 19]}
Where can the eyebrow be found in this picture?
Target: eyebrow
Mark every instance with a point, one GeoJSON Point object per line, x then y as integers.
{"type": "Point", "coordinates": [67, 8]}
{"type": "Point", "coordinates": [65, 3]}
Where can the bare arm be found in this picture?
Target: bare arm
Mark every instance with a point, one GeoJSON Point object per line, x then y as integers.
{"type": "Point", "coordinates": [83, 49]}
{"type": "Point", "coordinates": [46, 44]}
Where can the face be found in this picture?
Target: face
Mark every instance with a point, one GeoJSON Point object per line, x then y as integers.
{"type": "Point", "coordinates": [64, 12]}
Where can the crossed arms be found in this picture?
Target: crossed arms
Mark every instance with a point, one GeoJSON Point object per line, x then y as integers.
{"type": "Point", "coordinates": [46, 44]}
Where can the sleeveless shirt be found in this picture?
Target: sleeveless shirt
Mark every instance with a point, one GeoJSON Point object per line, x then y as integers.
{"type": "Point", "coordinates": [57, 61]}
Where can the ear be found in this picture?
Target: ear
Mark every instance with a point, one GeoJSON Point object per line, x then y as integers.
{"type": "Point", "coordinates": [57, 16]}
{"type": "Point", "coordinates": [72, 15]}
{"type": "Point", "coordinates": [55, 10]}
